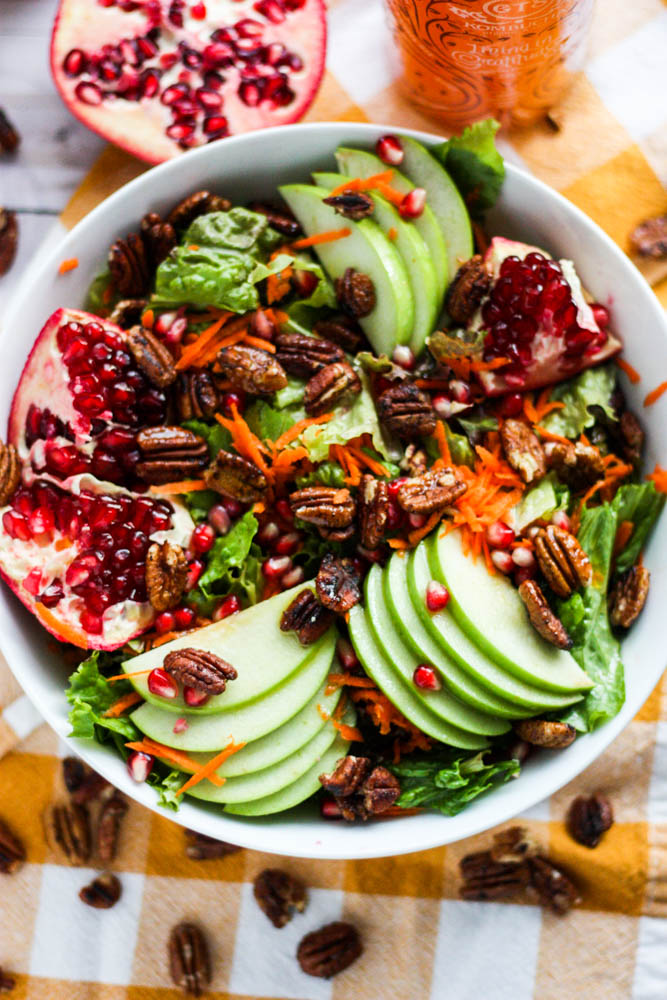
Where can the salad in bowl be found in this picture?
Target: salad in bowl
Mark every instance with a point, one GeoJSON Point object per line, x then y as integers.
{"type": "Point", "coordinates": [332, 494]}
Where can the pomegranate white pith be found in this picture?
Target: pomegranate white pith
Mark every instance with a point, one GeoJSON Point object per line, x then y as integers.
{"type": "Point", "coordinates": [156, 77]}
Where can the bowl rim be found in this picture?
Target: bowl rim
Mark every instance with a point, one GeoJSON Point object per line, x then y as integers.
{"type": "Point", "coordinates": [419, 832]}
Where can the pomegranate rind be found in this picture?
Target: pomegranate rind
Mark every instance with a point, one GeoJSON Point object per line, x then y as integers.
{"type": "Point", "coordinates": [139, 126]}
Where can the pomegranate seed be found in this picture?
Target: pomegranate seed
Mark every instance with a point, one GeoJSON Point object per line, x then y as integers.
{"type": "Point", "coordinates": [329, 808]}
{"type": "Point", "coordinates": [523, 574]}
{"type": "Point", "coordinates": [499, 535]}
{"type": "Point", "coordinates": [403, 357]}
{"type": "Point", "coordinates": [262, 326]}
{"type": "Point", "coordinates": [460, 390]}
{"type": "Point", "coordinates": [276, 567]}
{"type": "Point", "coordinates": [600, 314]}
{"type": "Point", "coordinates": [183, 617]}
{"type": "Point", "coordinates": [233, 399]}
{"type": "Point", "coordinates": [215, 125]}
{"type": "Point", "coordinates": [219, 519]}
{"type": "Point", "coordinates": [140, 765]}
{"type": "Point", "coordinates": [561, 520]}
{"type": "Point", "coordinates": [194, 698]}
{"type": "Point", "coordinates": [502, 561]}
{"type": "Point", "coordinates": [523, 557]}
{"type": "Point", "coordinates": [443, 406]}
{"type": "Point", "coordinates": [33, 581]}
{"type": "Point", "coordinates": [180, 130]}
{"type": "Point", "coordinates": [288, 544]}
{"type": "Point", "coordinates": [249, 93]}
{"type": "Point", "coordinates": [180, 725]}
{"type": "Point", "coordinates": [91, 622]}
{"type": "Point", "coordinates": [202, 538]}
{"type": "Point", "coordinates": [51, 595]}
{"type": "Point", "coordinates": [75, 62]}
{"type": "Point", "coordinates": [437, 596]}
{"type": "Point", "coordinates": [395, 516]}
{"type": "Point", "coordinates": [426, 678]}
{"type": "Point", "coordinates": [164, 623]}
{"type": "Point", "coordinates": [161, 684]}
{"type": "Point", "coordinates": [271, 10]}
{"type": "Point", "coordinates": [389, 149]}
{"type": "Point", "coordinates": [228, 607]}
{"type": "Point", "coordinates": [88, 93]}
{"type": "Point", "coordinates": [394, 486]}
{"type": "Point", "coordinates": [284, 511]}
{"type": "Point", "coordinates": [268, 533]}
{"type": "Point", "coordinates": [347, 656]}
{"type": "Point", "coordinates": [294, 577]}
{"type": "Point", "coordinates": [417, 520]}
{"type": "Point", "coordinates": [413, 204]}
{"type": "Point", "coordinates": [150, 83]}
{"type": "Point", "coordinates": [210, 100]}
{"type": "Point", "coordinates": [198, 11]}
{"type": "Point", "coordinates": [175, 93]}
{"type": "Point", "coordinates": [512, 405]}
{"type": "Point", "coordinates": [232, 506]}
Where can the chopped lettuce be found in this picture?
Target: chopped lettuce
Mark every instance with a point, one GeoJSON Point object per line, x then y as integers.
{"type": "Point", "coordinates": [233, 564]}
{"type": "Point", "coordinates": [448, 779]}
{"type": "Point", "coordinates": [475, 165]}
{"type": "Point", "coordinates": [291, 395]}
{"type": "Point", "coordinates": [268, 422]}
{"type": "Point", "coordinates": [641, 504]}
{"type": "Point", "coordinates": [539, 502]}
{"type": "Point", "coordinates": [349, 422]}
{"type": "Point", "coordinates": [90, 694]}
{"type": "Point", "coordinates": [326, 474]}
{"type": "Point", "coordinates": [237, 229]}
{"type": "Point", "coordinates": [593, 387]}
{"type": "Point", "coordinates": [97, 297]}
{"type": "Point", "coordinates": [166, 787]}
{"type": "Point", "coordinates": [207, 276]}
{"type": "Point", "coordinates": [304, 311]}
{"type": "Point", "coordinates": [216, 436]}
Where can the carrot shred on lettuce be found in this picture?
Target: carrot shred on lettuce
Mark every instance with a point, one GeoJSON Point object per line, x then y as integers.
{"type": "Point", "coordinates": [297, 429]}
{"type": "Point", "coordinates": [198, 346]}
{"type": "Point", "coordinates": [118, 707]}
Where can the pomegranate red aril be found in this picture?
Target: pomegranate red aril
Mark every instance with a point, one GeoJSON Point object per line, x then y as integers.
{"type": "Point", "coordinates": [230, 606]}
{"type": "Point", "coordinates": [512, 404]}
{"type": "Point", "coordinates": [180, 725]}
{"type": "Point", "coordinates": [164, 622]}
{"type": "Point", "coordinates": [460, 390]}
{"type": "Point", "coordinates": [183, 618]}
{"type": "Point", "coordinates": [75, 62]}
{"type": "Point", "coordinates": [499, 535]}
{"type": "Point", "coordinates": [215, 125]}
{"type": "Point", "coordinates": [33, 581]}
{"type": "Point", "coordinates": [194, 698]}
{"type": "Point", "coordinates": [51, 595]}
{"type": "Point", "coordinates": [88, 93]}
{"type": "Point", "coordinates": [443, 405]}
{"type": "Point", "coordinates": [268, 533]}
{"type": "Point", "coordinates": [417, 520]}
{"type": "Point", "coordinates": [437, 596]}
{"type": "Point", "coordinates": [523, 574]}
{"type": "Point", "coordinates": [426, 678]}
{"type": "Point", "coordinates": [91, 622]}
{"type": "Point", "coordinates": [601, 314]}
{"type": "Point", "coordinates": [139, 765]}
{"type": "Point", "coordinates": [202, 538]}
{"type": "Point", "coordinates": [276, 566]}
{"type": "Point", "coordinates": [288, 544]}
{"type": "Point", "coordinates": [561, 520]}
{"type": "Point", "coordinates": [233, 399]}
{"type": "Point", "coordinates": [284, 511]}
{"type": "Point", "coordinates": [161, 684]}
{"type": "Point", "coordinates": [502, 561]}
{"type": "Point", "coordinates": [403, 357]}
{"type": "Point", "coordinates": [390, 150]}
{"type": "Point", "coordinates": [210, 100]}
{"type": "Point", "coordinates": [523, 557]}
{"type": "Point", "coordinates": [413, 204]}
{"type": "Point", "coordinates": [198, 11]}
{"type": "Point", "coordinates": [195, 570]}
{"type": "Point", "coordinates": [219, 519]}
{"type": "Point", "coordinates": [293, 577]}
{"type": "Point", "coordinates": [329, 808]}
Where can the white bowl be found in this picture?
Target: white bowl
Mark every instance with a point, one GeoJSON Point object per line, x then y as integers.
{"type": "Point", "coordinates": [250, 166]}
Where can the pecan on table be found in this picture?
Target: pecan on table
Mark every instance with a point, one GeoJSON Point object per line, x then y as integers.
{"type": "Point", "coordinates": [189, 962]}
{"type": "Point", "coordinates": [7, 982]}
{"type": "Point", "coordinates": [544, 733]}
{"type": "Point", "coordinates": [469, 286]}
{"type": "Point", "coordinates": [254, 371]}
{"type": "Point", "coordinates": [128, 265]}
{"type": "Point", "coordinates": [588, 817]}
{"type": "Point", "coordinates": [523, 450]}
{"type": "Point", "coordinates": [281, 220]}
{"type": "Point", "coordinates": [170, 453]}
{"type": "Point", "coordinates": [335, 383]}
{"type": "Point", "coordinates": [552, 886]}
{"type": "Point", "coordinates": [199, 847]}
{"type": "Point", "coordinates": [303, 355]}
{"type": "Point", "coordinates": [542, 618]}
{"type": "Point", "coordinates": [68, 828]}
{"type": "Point", "coordinates": [159, 238]}
{"type": "Point", "coordinates": [108, 826]}
{"type": "Point", "coordinates": [632, 437]}
{"type": "Point", "coordinates": [102, 893]}
{"type": "Point", "coordinates": [236, 477]}
{"type": "Point", "coordinates": [151, 356]}
{"type": "Point", "coordinates": [487, 878]}
{"type": "Point", "coordinates": [562, 560]}
{"type": "Point", "coordinates": [12, 851]}
{"type": "Point", "coordinates": [512, 845]}
{"type": "Point", "coordinates": [128, 312]}
{"type": "Point", "coordinates": [195, 395]}
{"type": "Point", "coordinates": [431, 492]}
{"type": "Point", "coordinates": [578, 465]}
{"type": "Point", "coordinates": [9, 236]}
{"type": "Point", "coordinates": [199, 669]}
{"type": "Point", "coordinates": [353, 205]}
{"type": "Point", "coordinates": [337, 584]}
{"type": "Point", "coordinates": [92, 786]}
{"type": "Point", "coordinates": [649, 238]}
{"type": "Point", "coordinates": [406, 411]}
{"type": "Point", "coordinates": [340, 329]}
{"type": "Point", "coordinates": [355, 293]}
{"type": "Point", "coordinates": [74, 773]}
{"type": "Point", "coordinates": [307, 617]}
{"type": "Point", "coordinates": [329, 506]}
{"type": "Point", "coordinates": [196, 204]}
{"type": "Point", "coordinates": [373, 506]}
{"type": "Point", "coordinates": [278, 894]}
{"type": "Point", "coordinates": [628, 596]}
{"type": "Point", "coordinates": [9, 137]}
{"type": "Point", "coordinates": [166, 575]}
{"type": "Point", "coordinates": [347, 777]}
{"type": "Point", "coordinates": [10, 472]}
{"type": "Point", "coordinates": [329, 950]}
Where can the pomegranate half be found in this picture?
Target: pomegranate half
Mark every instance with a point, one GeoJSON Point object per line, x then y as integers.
{"type": "Point", "coordinates": [160, 76]}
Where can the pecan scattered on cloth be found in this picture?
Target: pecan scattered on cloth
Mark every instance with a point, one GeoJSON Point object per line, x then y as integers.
{"type": "Point", "coordinates": [649, 238]}
{"type": "Point", "coordinates": [353, 205]}
{"type": "Point", "coordinates": [578, 465]}
{"type": "Point", "coordinates": [12, 851]}
{"type": "Point", "coordinates": [513, 845]}
{"type": "Point", "coordinates": [7, 982]}
{"type": "Point", "coordinates": [159, 238]}
{"type": "Point", "coordinates": [430, 492]}
{"type": "Point", "coordinates": [542, 618]}
{"type": "Point", "coordinates": [10, 472]}
{"type": "Point", "coordinates": [588, 817]}
{"type": "Point", "coordinates": [102, 893]}
{"type": "Point", "coordinates": [406, 411]}
{"type": "Point", "coordinates": [355, 292]}
{"type": "Point", "coordinates": [236, 477]}
{"type": "Point", "coordinates": [338, 584]}
{"type": "Point", "coordinates": [373, 506]}
{"type": "Point", "coordinates": [9, 236]}
{"type": "Point", "coordinates": [523, 450]}
{"type": "Point", "coordinates": [108, 827]}
{"type": "Point", "coordinates": [196, 396]}
{"type": "Point", "coordinates": [189, 962]}
{"type": "Point", "coordinates": [196, 204]}
{"type": "Point", "coordinates": [302, 355]}
{"type": "Point", "coordinates": [329, 506]}
{"type": "Point", "coordinates": [170, 453]}
{"type": "Point", "coordinates": [469, 286]}
{"type": "Point", "coordinates": [254, 371]}
{"type": "Point", "coordinates": [307, 617]}
{"type": "Point", "coordinates": [129, 266]}
{"type": "Point", "coordinates": [74, 773]}
{"type": "Point", "coordinates": [128, 312]}
{"type": "Point", "coordinates": [90, 789]}
{"type": "Point", "coordinates": [9, 137]}
{"type": "Point", "coordinates": [68, 828]}
{"type": "Point", "coordinates": [628, 596]}
{"type": "Point", "coordinates": [199, 669]}
{"type": "Point", "coordinates": [278, 894]}
{"type": "Point", "coordinates": [329, 950]}
{"type": "Point", "coordinates": [279, 219]}
{"type": "Point", "coordinates": [562, 560]}
{"type": "Point", "coordinates": [340, 329]}
{"type": "Point", "coordinates": [544, 733]}
{"type": "Point", "coordinates": [331, 385]}
{"type": "Point", "coordinates": [166, 575]}
{"type": "Point", "coordinates": [360, 790]}
{"type": "Point", "coordinates": [552, 886]}
{"type": "Point", "coordinates": [152, 356]}
{"type": "Point", "coordinates": [199, 847]}
{"type": "Point", "coordinates": [486, 878]}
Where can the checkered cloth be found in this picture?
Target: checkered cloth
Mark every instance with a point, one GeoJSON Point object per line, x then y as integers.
{"type": "Point", "coordinates": [610, 158]}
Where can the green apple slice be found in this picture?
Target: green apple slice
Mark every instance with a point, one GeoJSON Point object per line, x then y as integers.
{"type": "Point", "coordinates": [416, 258]}
{"type": "Point", "coordinates": [367, 250]}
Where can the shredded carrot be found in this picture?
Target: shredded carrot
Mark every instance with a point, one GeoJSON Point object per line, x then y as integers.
{"type": "Point", "coordinates": [655, 394]}
{"type": "Point", "coordinates": [350, 733]}
{"type": "Point", "coordinates": [659, 478]}
{"type": "Point", "coordinates": [193, 246]}
{"type": "Point", "coordinates": [263, 345]}
{"type": "Point", "coordinates": [298, 428]}
{"type": "Point", "coordinates": [535, 412]}
{"type": "Point", "coordinates": [207, 336]}
{"type": "Point", "coordinates": [208, 770]}
{"type": "Point", "coordinates": [155, 749]}
{"type": "Point", "coordinates": [323, 714]}
{"type": "Point", "coordinates": [119, 706]}
{"type": "Point", "coordinates": [357, 452]}
{"type": "Point", "coordinates": [623, 536]}
{"type": "Point", "coordinates": [68, 265]}
{"type": "Point", "coordinates": [365, 184]}
{"type": "Point", "coordinates": [398, 543]}
{"type": "Point", "coordinates": [432, 383]}
{"type": "Point", "coordinates": [246, 443]}
{"type": "Point", "coordinates": [148, 318]}
{"type": "Point", "coordinates": [389, 193]}
{"type": "Point", "coordinates": [614, 470]}
{"type": "Point", "coordinates": [441, 439]}
{"type": "Point", "coordinates": [550, 435]}
{"type": "Point", "coordinates": [184, 486]}
{"type": "Point", "coordinates": [278, 285]}
{"type": "Point", "coordinates": [125, 677]}
{"type": "Point", "coordinates": [489, 366]}
{"type": "Point", "coordinates": [416, 536]}
{"type": "Point", "coordinates": [347, 680]}
{"type": "Point", "coordinates": [61, 630]}
{"type": "Point", "coordinates": [631, 372]}
{"type": "Point", "coordinates": [318, 238]}
{"type": "Point", "coordinates": [259, 507]}
{"type": "Point", "coordinates": [392, 233]}
{"type": "Point", "coordinates": [159, 640]}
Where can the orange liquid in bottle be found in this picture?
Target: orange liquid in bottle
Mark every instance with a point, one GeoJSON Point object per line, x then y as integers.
{"type": "Point", "coordinates": [464, 60]}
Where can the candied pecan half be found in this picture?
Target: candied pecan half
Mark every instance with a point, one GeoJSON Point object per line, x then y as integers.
{"type": "Point", "coordinates": [199, 669]}
{"type": "Point", "coordinates": [9, 235]}
{"type": "Point", "coordinates": [10, 472]}
{"type": "Point", "coordinates": [251, 369]}
{"type": "Point", "coordinates": [196, 204]}
{"type": "Point", "coordinates": [542, 618]}
{"type": "Point", "coordinates": [166, 575]}
{"type": "Point", "coordinates": [353, 205]}
{"type": "Point", "coordinates": [588, 817]}
{"type": "Point", "coordinates": [512, 845]}
{"type": "Point", "coordinates": [128, 312]}
{"type": "Point", "coordinates": [159, 238]}
{"type": "Point", "coordinates": [102, 893]}
{"type": "Point", "coordinates": [487, 878]}
{"type": "Point", "coordinates": [562, 560]}
{"type": "Point", "coordinates": [199, 847]}
{"type": "Point", "coordinates": [415, 460]}
{"type": "Point", "coordinates": [195, 395]}
{"type": "Point", "coordinates": [632, 436]}
{"type": "Point", "coordinates": [373, 504]}
{"type": "Point", "coordinates": [278, 894]}
{"type": "Point", "coordinates": [68, 828]}
{"type": "Point", "coordinates": [303, 355]}
{"type": "Point", "coordinates": [355, 292]}
{"type": "Point", "coordinates": [108, 827]}
{"type": "Point", "coordinates": [12, 851]}
{"type": "Point", "coordinates": [307, 617]}
{"type": "Point", "coordinates": [337, 583]}
{"type": "Point", "coordinates": [331, 385]}
{"type": "Point", "coordinates": [380, 790]}
{"type": "Point", "coordinates": [431, 492]}
{"type": "Point", "coordinates": [578, 465]}
{"type": "Point", "coordinates": [406, 411]}
{"type": "Point", "coordinates": [628, 596]}
{"type": "Point", "coordinates": [340, 329]}
{"type": "Point", "coordinates": [347, 777]}
{"type": "Point", "coordinates": [330, 506]}
{"type": "Point", "coordinates": [189, 962]}
{"type": "Point", "coordinates": [361, 790]}
{"type": "Point", "coordinates": [153, 358]}
{"type": "Point", "coordinates": [236, 477]}
{"type": "Point", "coordinates": [649, 238]}
{"type": "Point", "coordinates": [7, 982]}
{"type": "Point", "coordinates": [552, 886]}
{"type": "Point", "coordinates": [9, 137]}
{"type": "Point", "coordinates": [281, 220]}
{"type": "Point", "coordinates": [543, 733]}
{"type": "Point", "coordinates": [523, 450]}
{"type": "Point", "coordinates": [469, 286]}
{"type": "Point", "coordinates": [129, 267]}
{"type": "Point", "coordinates": [329, 950]}
{"type": "Point", "coordinates": [170, 453]}
{"type": "Point", "coordinates": [336, 534]}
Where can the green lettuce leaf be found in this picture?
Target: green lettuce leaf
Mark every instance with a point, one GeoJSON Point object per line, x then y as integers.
{"type": "Point", "coordinates": [207, 276]}
{"type": "Point", "coordinates": [268, 422]}
{"type": "Point", "coordinates": [447, 780]}
{"type": "Point", "coordinates": [90, 694]}
{"type": "Point", "coordinates": [474, 164]}
{"type": "Point", "coordinates": [642, 504]}
{"type": "Point", "coordinates": [237, 229]}
{"type": "Point", "coordinates": [233, 564]}
{"type": "Point", "coordinates": [594, 387]}
{"type": "Point", "coordinates": [323, 296]}
{"type": "Point", "coordinates": [291, 395]}
{"type": "Point", "coordinates": [349, 422]}
{"type": "Point", "coordinates": [216, 436]}
{"type": "Point", "coordinates": [166, 787]}
{"type": "Point", "coordinates": [326, 474]}
{"type": "Point", "coordinates": [97, 300]}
